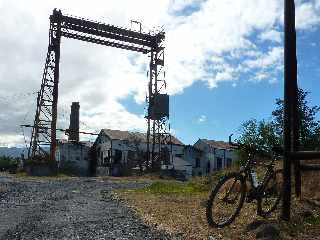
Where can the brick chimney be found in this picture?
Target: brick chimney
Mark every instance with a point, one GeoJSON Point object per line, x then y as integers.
{"type": "Point", "coordinates": [74, 122]}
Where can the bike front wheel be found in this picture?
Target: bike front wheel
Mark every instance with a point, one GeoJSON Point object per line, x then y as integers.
{"type": "Point", "coordinates": [271, 194]}
{"type": "Point", "coordinates": [226, 200]}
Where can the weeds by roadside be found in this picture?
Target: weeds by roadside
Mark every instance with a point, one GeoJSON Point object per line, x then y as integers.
{"type": "Point", "coordinates": [179, 208]}
{"type": "Point", "coordinates": [24, 176]}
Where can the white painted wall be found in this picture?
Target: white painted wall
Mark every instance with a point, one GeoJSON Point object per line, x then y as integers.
{"type": "Point", "coordinates": [212, 155]}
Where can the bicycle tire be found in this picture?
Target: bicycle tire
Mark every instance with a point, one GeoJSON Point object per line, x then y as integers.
{"type": "Point", "coordinates": [274, 206]}
{"type": "Point", "coordinates": [233, 175]}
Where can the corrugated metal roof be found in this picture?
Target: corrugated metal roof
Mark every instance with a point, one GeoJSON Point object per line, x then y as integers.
{"type": "Point", "coordinates": [129, 136]}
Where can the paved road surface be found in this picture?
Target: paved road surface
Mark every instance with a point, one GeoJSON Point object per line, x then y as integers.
{"type": "Point", "coordinates": [81, 208]}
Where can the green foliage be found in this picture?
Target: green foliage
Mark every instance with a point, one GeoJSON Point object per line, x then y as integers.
{"type": "Point", "coordinates": [7, 163]}
{"type": "Point", "coordinates": [68, 168]}
{"type": "Point", "coordinates": [168, 187]}
{"type": "Point", "coordinates": [215, 176]}
{"type": "Point", "coordinates": [260, 137]}
{"type": "Point", "coordinates": [4, 163]}
{"type": "Point", "coordinates": [314, 220]}
{"type": "Point", "coordinates": [200, 184]}
{"type": "Point", "coordinates": [309, 126]}
{"type": "Point", "coordinates": [257, 137]}
{"type": "Point", "coordinates": [267, 137]}
{"type": "Point", "coordinates": [242, 158]}
{"type": "Point", "coordinates": [38, 160]}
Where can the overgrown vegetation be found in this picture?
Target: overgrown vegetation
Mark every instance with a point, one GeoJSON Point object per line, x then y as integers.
{"type": "Point", "coordinates": [172, 187]}
{"type": "Point", "coordinates": [39, 160]}
{"type": "Point", "coordinates": [313, 220]}
{"type": "Point", "coordinates": [8, 163]}
{"type": "Point", "coordinates": [261, 137]}
{"type": "Point", "coordinates": [179, 208]}
{"type": "Point", "coordinates": [195, 185]}
{"type": "Point", "coordinates": [68, 168]}
{"type": "Point", "coordinates": [24, 175]}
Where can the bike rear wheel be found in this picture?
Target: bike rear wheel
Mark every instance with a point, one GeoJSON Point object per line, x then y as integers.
{"type": "Point", "coordinates": [271, 195]}
{"type": "Point", "coordinates": [226, 200]}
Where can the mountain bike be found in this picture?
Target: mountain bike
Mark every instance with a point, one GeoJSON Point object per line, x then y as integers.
{"type": "Point", "coordinates": [228, 196]}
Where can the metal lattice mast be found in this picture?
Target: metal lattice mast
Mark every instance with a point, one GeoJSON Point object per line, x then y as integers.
{"type": "Point", "coordinates": [47, 100]}
{"type": "Point", "coordinates": [158, 130]}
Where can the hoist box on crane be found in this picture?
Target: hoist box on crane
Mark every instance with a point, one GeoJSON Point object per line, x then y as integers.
{"type": "Point", "coordinates": [159, 107]}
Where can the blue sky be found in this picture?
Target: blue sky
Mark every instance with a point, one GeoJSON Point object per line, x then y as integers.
{"type": "Point", "coordinates": [223, 62]}
{"type": "Point", "coordinates": [215, 113]}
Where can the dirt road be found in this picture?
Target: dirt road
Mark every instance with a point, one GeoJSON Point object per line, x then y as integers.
{"type": "Point", "coordinates": [80, 208]}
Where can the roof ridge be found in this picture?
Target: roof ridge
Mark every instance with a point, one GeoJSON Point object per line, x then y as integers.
{"type": "Point", "coordinates": [127, 134]}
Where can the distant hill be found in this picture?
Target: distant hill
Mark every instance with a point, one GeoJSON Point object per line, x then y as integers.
{"type": "Point", "coordinates": [13, 152]}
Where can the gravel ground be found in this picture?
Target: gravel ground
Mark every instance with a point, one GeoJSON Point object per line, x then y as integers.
{"type": "Point", "coordinates": [80, 208]}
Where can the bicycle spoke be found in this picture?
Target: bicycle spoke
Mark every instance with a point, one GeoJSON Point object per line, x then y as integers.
{"type": "Point", "coordinates": [225, 201]}
{"type": "Point", "coordinates": [271, 195]}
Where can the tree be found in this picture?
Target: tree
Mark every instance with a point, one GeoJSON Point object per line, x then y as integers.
{"type": "Point", "coordinates": [260, 137]}
{"type": "Point", "coordinates": [257, 137]}
{"type": "Point", "coordinates": [309, 126]}
{"type": "Point", "coordinates": [268, 138]}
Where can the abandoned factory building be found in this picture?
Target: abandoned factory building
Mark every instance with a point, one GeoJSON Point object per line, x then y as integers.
{"type": "Point", "coordinates": [74, 157]}
{"type": "Point", "coordinates": [120, 153]}
{"type": "Point", "coordinates": [117, 152]}
{"type": "Point", "coordinates": [208, 155]}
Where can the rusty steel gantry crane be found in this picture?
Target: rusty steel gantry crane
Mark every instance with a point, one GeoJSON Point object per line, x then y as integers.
{"type": "Point", "coordinates": [45, 120]}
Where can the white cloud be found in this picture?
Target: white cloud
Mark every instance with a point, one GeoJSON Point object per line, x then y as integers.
{"type": "Point", "coordinates": [271, 58]}
{"type": "Point", "coordinates": [178, 5]}
{"type": "Point", "coordinates": [201, 38]}
{"type": "Point", "coordinates": [12, 140]}
{"type": "Point", "coordinates": [307, 15]}
{"type": "Point", "coordinates": [271, 35]}
{"type": "Point", "coordinates": [212, 45]}
{"type": "Point", "coordinates": [261, 76]}
{"type": "Point", "coordinates": [267, 65]}
{"type": "Point", "coordinates": [202, 119]}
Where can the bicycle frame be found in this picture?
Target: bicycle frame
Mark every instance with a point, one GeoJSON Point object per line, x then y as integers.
{"type": "Point", "coordinates": [246, 171]}
{"type": "Point", "coordinates": [258, 191]}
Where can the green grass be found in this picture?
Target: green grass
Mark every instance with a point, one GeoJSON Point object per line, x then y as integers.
{"type": "Point", "coordinates": [24, 175]}
{"type": "Point", "coordinates": [167, 187]}
{"type": "Point", "coordinates": [313, 220]}
{"type": "Point", "coordinates": [195, 185]}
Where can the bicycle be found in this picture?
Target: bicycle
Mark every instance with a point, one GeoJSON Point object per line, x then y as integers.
{"type": "Point", "coordinates": [233, 190]}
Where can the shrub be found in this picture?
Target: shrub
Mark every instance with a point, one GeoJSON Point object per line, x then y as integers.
{"type": "Point", "coordinates": [4, 163]}
{"type": "Point", "coordinates": [313, 220]}
{"type": "Point", "coordinates": [68, 168]}
{"type": "Point", "coordinates": [7, 163]}
{"type": "Point", "coordinates": [40, 160]}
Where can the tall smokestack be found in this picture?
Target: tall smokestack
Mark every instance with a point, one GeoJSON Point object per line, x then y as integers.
{"type": "Point", "coordinates": [74, 122]}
